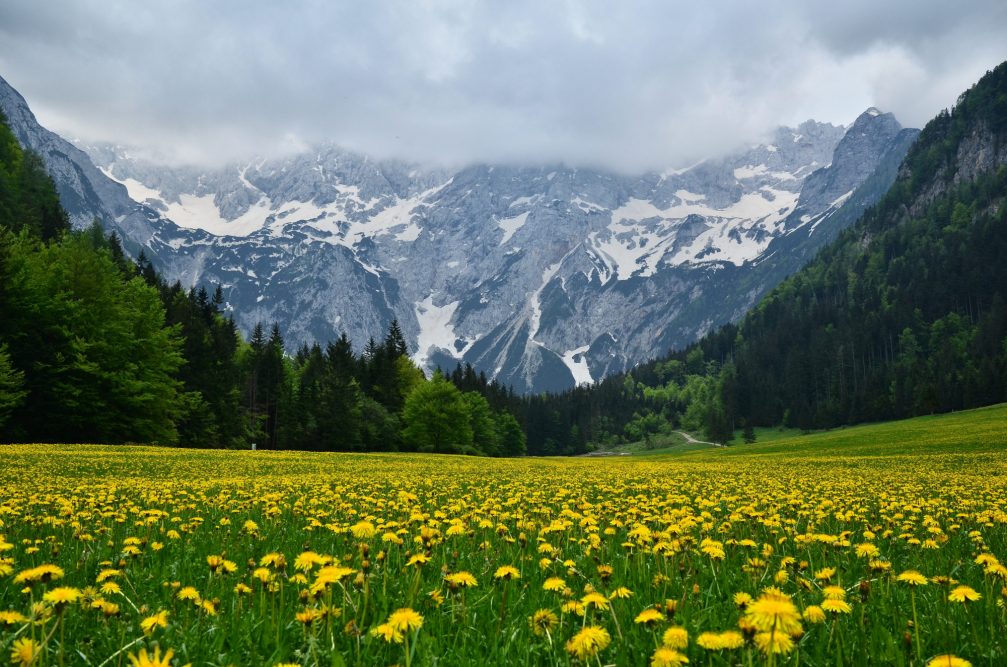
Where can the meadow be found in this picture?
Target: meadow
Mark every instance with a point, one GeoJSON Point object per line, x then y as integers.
{"type": "Point", "coordinates": [866, 546]}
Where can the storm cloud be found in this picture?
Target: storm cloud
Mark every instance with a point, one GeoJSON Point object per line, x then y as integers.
{"type": "Point", "coordinates": [622, 85]}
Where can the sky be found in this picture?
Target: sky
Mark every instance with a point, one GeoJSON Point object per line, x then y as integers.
{"type": "Point", "coordinates": [631, 85]}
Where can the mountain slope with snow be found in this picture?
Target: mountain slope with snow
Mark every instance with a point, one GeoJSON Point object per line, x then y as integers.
{"type": "Point", "coordinates": [542, 277]}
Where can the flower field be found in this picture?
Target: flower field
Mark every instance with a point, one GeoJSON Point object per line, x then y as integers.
{"type": "Point", "coordinates": [779, 554]}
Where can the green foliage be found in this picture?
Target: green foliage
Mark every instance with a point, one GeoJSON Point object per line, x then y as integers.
{"type": "Point", "coordinates": [11, 381]}
{"type": "Point", "coordinates": [99, 363]}
{"type": "Point", "coordinates": [436, 419]}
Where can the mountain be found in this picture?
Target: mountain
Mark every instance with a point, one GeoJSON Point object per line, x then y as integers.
{"type": "Point", "coordinates": [541, 277]}
{"type": "Point", "coordinates": [903, 314]}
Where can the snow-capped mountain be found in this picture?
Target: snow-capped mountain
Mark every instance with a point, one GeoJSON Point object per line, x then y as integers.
{"type": "Point", "coordinates": [542, 277]}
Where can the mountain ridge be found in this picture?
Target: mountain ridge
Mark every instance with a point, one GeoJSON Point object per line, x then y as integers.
{"type": "Point", "coordinates": [541, 277]}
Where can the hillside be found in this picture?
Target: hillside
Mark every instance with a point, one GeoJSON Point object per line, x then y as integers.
{"type": "Point", "coordinates": [904, 314]}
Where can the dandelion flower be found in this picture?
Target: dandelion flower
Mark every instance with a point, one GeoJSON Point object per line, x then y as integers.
{"type": "Point", "coordinates": [24, 651]}
{"type": "Point", "coordinates": [948, 661]}
{"type": "Point", "coordinates": [543, 622]}
{"type": "Point", "coordinates": [588, 642]}
{"type": "Point", "coordinates": [405, 619]}
{"type": "Point", "coordinates": [964, 594]}
{"type": "Point", "coordinates": [913, 578]}
{"type": "Point", "coordinates": [649, 617]}
{"type": "Point", "coordinates": [156, 660]}
{"type": "Point", "coordinates": [507, 572]}
{"type": "Point", "coordinates": [675, 637]}
{"type": "Point", "coordinates": [667, 657]}
{"type": "Point", "coordinates": [151, 623]}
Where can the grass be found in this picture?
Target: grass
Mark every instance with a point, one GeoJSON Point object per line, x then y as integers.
{"type": "Point", "coordinates": [718, 555]}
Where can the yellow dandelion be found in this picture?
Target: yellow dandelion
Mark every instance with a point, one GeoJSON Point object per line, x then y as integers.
{"type": "Point", "coordinates": [588, 642]}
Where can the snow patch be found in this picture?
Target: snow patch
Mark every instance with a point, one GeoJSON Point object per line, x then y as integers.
{"type": "Point", "coordinates": [511, 225]}
{"type": "Point", "coordinates": [748, 171]}
{"type": "Point", "coordinates": [576, 361]}
{"type": "Point", "coordinates": [436, 331]}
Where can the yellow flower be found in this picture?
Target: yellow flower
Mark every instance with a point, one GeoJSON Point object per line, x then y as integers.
{"type": "Point", "coordinates": [11, 617]}
{"type": "Point", "coordinates": [542, 622]}
{"type": "Point", "coordinates": [825, 574]}
{"type": "Point", "coordinates": [675, 637]}
{"type": "Point", "coordinates": [774, 642]}
{"type": "Point", "coordinates": [364, 530]}
{"type": "Point", "coordinates": [813, 614]}
{"type": "Point", "coordinates": [964, 594]}
{"type": "Point", "coordinates": [554, 584]}
{"type": "Point", "coordinates": [742, 599]}
{"type": "Point", "coordinates": [151, 623]}
{"type": "Point", "coordinates": [308, 560]}
{"type": "Point", "coordinates": [188, 593]}
{"type": "Point", "coordinates": [622, 592]}
{"type": "Point", "coordinates": [836, 606]}
{"type": "Point", "coordinates": [460, 579]}
{"type": "Point", "coordinates": [507, 572]}
{"type": "Point", "coordinates": [948, 661]}
{"type": "Point", "coordinates": [24, 651]}
{"type": "Point", "coordinates": [597, 600]}
{"type": "Point", "coordinates": [110, 588]}
{"type": "Point", "coordinates": [834, 593]}
{"type": "Point", "coordinates": [418, 559]}
{"type": "Point", "coordinates": [714, 641]}
{"type": "Point", "coordinates": [771, 612]}
{"type": "Point", "coordinates": [405, 619]}
{"type": "Point", "coordinates": [62, 596]}
{"type": "Point", "coordinates": [156, 660]}
{"type": "Point", "coordinates": [913, 578]}
{"type": "Point", "coordinates": [667, 657]}
{"type": "Point", "coordinates": [588, 642]}
{"type": "Point", "coordinates": [388, 633]}
{"type": "Point", "coordinates": [649, 617]}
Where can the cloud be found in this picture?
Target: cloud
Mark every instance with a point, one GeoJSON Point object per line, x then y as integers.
{"type": "Point", "coordinates": [631, 86]}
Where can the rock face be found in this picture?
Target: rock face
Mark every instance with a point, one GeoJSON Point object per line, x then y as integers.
{"type": "Point", "coordinates": [542, 277]}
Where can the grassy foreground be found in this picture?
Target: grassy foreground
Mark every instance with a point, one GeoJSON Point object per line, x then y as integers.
{"type": "Point", "coordinates": [876, 545]}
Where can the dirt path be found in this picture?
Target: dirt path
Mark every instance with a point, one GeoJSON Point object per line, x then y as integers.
{"type": "Point", "coordinates": [693, 441]}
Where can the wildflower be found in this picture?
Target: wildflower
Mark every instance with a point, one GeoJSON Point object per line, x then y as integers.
{"type": "Point", "coordinates": [649, 617]}
{"type": "Point", "coordinates": [364, 530]}
{"type": "Point", "coordinates": [588, 642]}
{"type": "Point", "coordinates": [825, 574]}
{"type": "Point", "coordinates": [507, 572]}
{"type": "Point", "coordinates": [622, 592]}
{"type": "Point", "coordinates": [742, 599]}
{"type": "Point", "coordinates": [543, 622]}
{"type": "Point", "coordinates": [719, 641]}
{"type": "Point", "coordinates": [774, 642]}
{"type": "Point", "coordinates": [554, 584]}
{"type": "Point", "coordinates": [667, 657]}
{"type": "Point", "coordinates": [460, 579]}
{"type": "Point", "coordinates": [836, 606]}
{"type": "Point", "coordinates": [10, 617]}
{"type": "Point", "coordinates": [948, 661]}
{"type": "Point", "coordinates": [188, 593]}
{"type": "Point", "coordinates": [834, 593]}
{"type": "Point", "coordinates": [156, 660]}
{"type": "Point", "coordinates": [597, 600]}
{"type": "Point", "coordinates": [418, 559]}
{"type": "Point", "coordinates": [964, 594]}
{"type": "Point", "coordinates": [24, 651]}
{"type": "Point", "coordinates": [59, 597]}
{"type": "Point", "coordinates": [388, 633]}
{"type": "Point", "coordinates": [675, 637]}
{"type": "Point", "coordinates": [813, 614]}
{"type": "Point", "coordinates": [913, 578]}
{"type": "Point", "coordinates": [151, 623]}
{"type": "Point", "coordinates": [772, 612]}
{"type": "Point", "coordinates": [405, 619]}
{"type": "Point", "coordinates": [110, 588]}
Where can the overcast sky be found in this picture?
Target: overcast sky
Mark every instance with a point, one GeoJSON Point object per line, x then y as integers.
{"type": "Point", "coordinates": [625, 85]}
